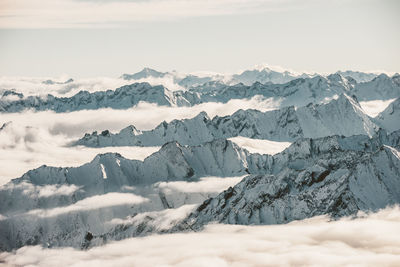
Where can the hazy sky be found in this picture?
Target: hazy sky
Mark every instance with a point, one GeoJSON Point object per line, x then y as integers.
{"type": "Point", "coordinates": [109, 37]}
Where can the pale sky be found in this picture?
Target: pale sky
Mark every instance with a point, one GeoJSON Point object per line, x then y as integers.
{"type": "Point", "coordinates": [83, 38]}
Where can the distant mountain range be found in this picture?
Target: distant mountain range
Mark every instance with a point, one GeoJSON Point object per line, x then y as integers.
{"type": "Point", "coordinates": [340, 160]}
{"type": "Point", "coordinates": [298, 92]}
{"type": "Point", "coordinates": [261, 74]}
{"type": "Point", "coordinates": [342, 116]}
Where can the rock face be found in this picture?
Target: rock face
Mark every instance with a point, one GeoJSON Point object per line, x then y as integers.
{"type": "Point", "coordinates": [298, 92]}
{"type": "Point", "coordinates": [342, 116]}
{"type": "Point", "coordinates": [113, 198]}
{"type": "Point", "coordinates": [335, 176]}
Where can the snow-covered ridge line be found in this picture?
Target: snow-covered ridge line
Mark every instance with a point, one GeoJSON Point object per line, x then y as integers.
{"type": "Point", "coordinates": [296, 92]}
{"type": "Point", "coordinates": [342, 116]}
{"type": "Point", "coordinates": [305, 161]}
{"type": "Point", "coordinates": [327, 182]}
{"type": "Point", "coordinates": [390, 117]}
{"type": "Point", "coordinates": [262, 73]}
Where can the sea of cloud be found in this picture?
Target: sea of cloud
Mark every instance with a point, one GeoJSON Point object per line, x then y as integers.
{"type": "Point", "coordinates": [367, 240]}
{"type": "Point", "coordinates": [36, 138]}
{"type": "Point", "coordinates": [58, 86]}
{"type": "Point", "coordinates": [92, 203]}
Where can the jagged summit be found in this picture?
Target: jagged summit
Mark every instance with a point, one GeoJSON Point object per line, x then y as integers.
{"type": "Point", "coordinates": [51, 82]}
{"type": "Point", "coordinates": [331, 178]}
{"type": "Point", "coordinates": [298, 92]}
{"type": "Point", "coordinates": [122, 98]}
{"type": "Point", "coordinates": [358, 76]}
{"type": "Point", "coordinates": [381, 87]}
{"type": "Point", "coordinates": [333, 175]}
{"type": "Point", "coordinates": [145, 73]}
{"type": "Point", "coordinates": [342, 116]}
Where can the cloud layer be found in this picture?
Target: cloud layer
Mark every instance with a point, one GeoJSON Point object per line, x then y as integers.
{"type": "Point", "coordinates": [37, 138]}
{"type": "Point", "coordinates": [374, 107]}
{"type": "Point", "coordinates": [368, 240]}
{"type": "Point", "coordinates": [91, 203]}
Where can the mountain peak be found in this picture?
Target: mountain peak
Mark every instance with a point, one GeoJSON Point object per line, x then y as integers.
{"type": "Point", "coordinates": [144, 73]}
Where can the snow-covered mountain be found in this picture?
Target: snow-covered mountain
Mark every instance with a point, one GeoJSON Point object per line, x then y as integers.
{"type": "Point", "coordinates": [382, 87]}
{"type": "Point", "coordinates": [261, 74]}
{"type": "Point", "coordinates": [298, 92]}
{"type": "Point", "coordinates": [265, 74]}
{"type": "Point", "coordinates": [51, 82]}
{"type": "Point", "coordinates": [122, 98]}
{"type": "Point", "coordinates": [358, 75]}
{"type": "Point", "coordinates": [342, 116]}
{"type": "Point", "coordinates": [37, 207]}
{"type": "Point", "coordinates": [145, 73]}
{"type": "Point", "coordinates": [112, 197]}
{"type": "Point", "coordinates": [390, 117]}
{"type": "Point", "coordinates": [340, 160]}
{"type": "Point", "coordinates": [333, 175]}
{"type": "Point", "coordinates": [184, 80]}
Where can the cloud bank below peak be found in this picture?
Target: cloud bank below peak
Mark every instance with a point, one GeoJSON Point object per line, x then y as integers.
{"type": "Point", "coordinates": [368, 240]}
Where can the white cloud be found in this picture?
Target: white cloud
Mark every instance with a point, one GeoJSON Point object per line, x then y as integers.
{"type": "Point", "coordinates": [374, 107]}
{"type": "Point", "coordinates": [205, 185]}
{"type": "Point", "coordinates": [260, 146]}
{"type": "Point", "coordinates": [24, 148]}
{"type": "Point", "coordinates": [162, 220]}
{"type": "Point", "coordinates": [35, 86]}
{"type": "Point", "coordinates": [51, 190]}
{"type": "Point", "coordinates": [37, 138]}
{"type": "Point", "coordinates": [83, 14]}
{"type": "Point", "coordinates": [43, 191]}
{"type": "Point", "coordinates": [90, 203]}
{"type": "Point", "coordinates": [369, 240]}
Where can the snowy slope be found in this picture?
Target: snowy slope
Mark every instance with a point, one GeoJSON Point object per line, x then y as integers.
{"type": "Point", "coordinates": [59, 205]}
{"type": "Point", "coordinates": [261, 74]}
{"type": "Point", "coordinates": [358, 75]}
{"type": "Point", "coordinates": [382, 87]}
{"type": "Point", "coordinates": [145, 73]}
{"type": "Point", "coordinates": [113, 198]}
{"type": "Point", "coordinates": [390, 117]}
{"type": "Point", "coordinates": [266, 75]}
{"type": "Point", "coordinates": [121, 98]}
{"type": "Point", "coordinates": [342, 116]}
{"type": "Point", "coordinates": [298, 92]}
{"type": "Point", "coordinates": [335, 176]}
{"type": "Point", "coordinates": [310, 171]}
{"type": "Point", "coordinates": [109, 172]}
